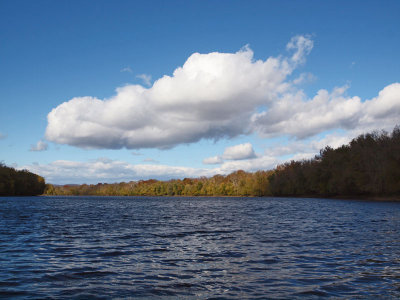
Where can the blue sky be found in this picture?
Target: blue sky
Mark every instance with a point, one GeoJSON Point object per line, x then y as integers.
{"type": "Point", "coordinates": [273, 80]}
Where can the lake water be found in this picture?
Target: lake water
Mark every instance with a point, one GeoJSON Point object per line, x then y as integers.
{"type": "Point", "coordinates": [151, 247]}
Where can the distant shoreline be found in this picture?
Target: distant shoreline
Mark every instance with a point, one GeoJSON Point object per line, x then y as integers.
{"type": "Point", "coordinates": [361, 198]}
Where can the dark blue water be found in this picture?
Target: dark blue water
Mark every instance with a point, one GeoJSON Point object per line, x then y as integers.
{"type": "Point", "coordinates": [108, 247]}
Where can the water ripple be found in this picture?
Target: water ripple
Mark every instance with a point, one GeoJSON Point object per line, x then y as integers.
{"type": "Point", "coordinates": [203, 248]}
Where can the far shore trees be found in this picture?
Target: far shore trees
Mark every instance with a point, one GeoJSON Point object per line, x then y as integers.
{"type": "Point", "coordinates": [368, 166]}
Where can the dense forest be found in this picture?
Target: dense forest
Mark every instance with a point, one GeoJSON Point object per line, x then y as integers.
{"type": "Point", "coordinates": [20, 183]}
{"type": "Point", "coordinates": [368, 166]}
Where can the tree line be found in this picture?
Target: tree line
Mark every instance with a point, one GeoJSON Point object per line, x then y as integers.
{"type": "Point", "coordinates": [239, 183]}
{"type": "Point", "coordinates": [20, 183]}
{"type": "Point", "coordinates": [368, 166]}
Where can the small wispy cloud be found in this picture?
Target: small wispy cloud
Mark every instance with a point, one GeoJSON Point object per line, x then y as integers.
{"type": "Point", "coordinates": [136, 153]}
{"type": "Point", "coordinates": [126, 69]}
{"type": "Point", "coordinates": [40, 146]}
{"type": "Point", "coordinates": [146, 79]}
{"type": "Point", "coordinates": [150, 160]}
{"type": "Point", "coordinates": [2, 136]}
{"type": "Point", "coordinates": [304, 78]}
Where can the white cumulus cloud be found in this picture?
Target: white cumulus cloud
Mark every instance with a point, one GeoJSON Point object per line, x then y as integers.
{"type": "Point", "coordinates": [220, 95]}
{"type": "Point", "coordinates": [211, 96]}
{"type": "Point", "coordinates": [296, 115]}
{"type": "Point", "coordinates": [212, 160]}
{"type": "Point", "coordinates": [238, 152]}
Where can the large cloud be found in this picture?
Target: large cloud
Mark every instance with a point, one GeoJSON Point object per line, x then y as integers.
{"type": "Point", "coordinates": [219, 95]}
{"type": "Point", "coordinates": [211, 96]}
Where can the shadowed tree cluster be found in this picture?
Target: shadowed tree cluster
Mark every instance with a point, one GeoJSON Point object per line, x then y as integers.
{"type": "Point", "coordinates": [20, 183]}
{"type": "Point", "coordinates": [368, 166]}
